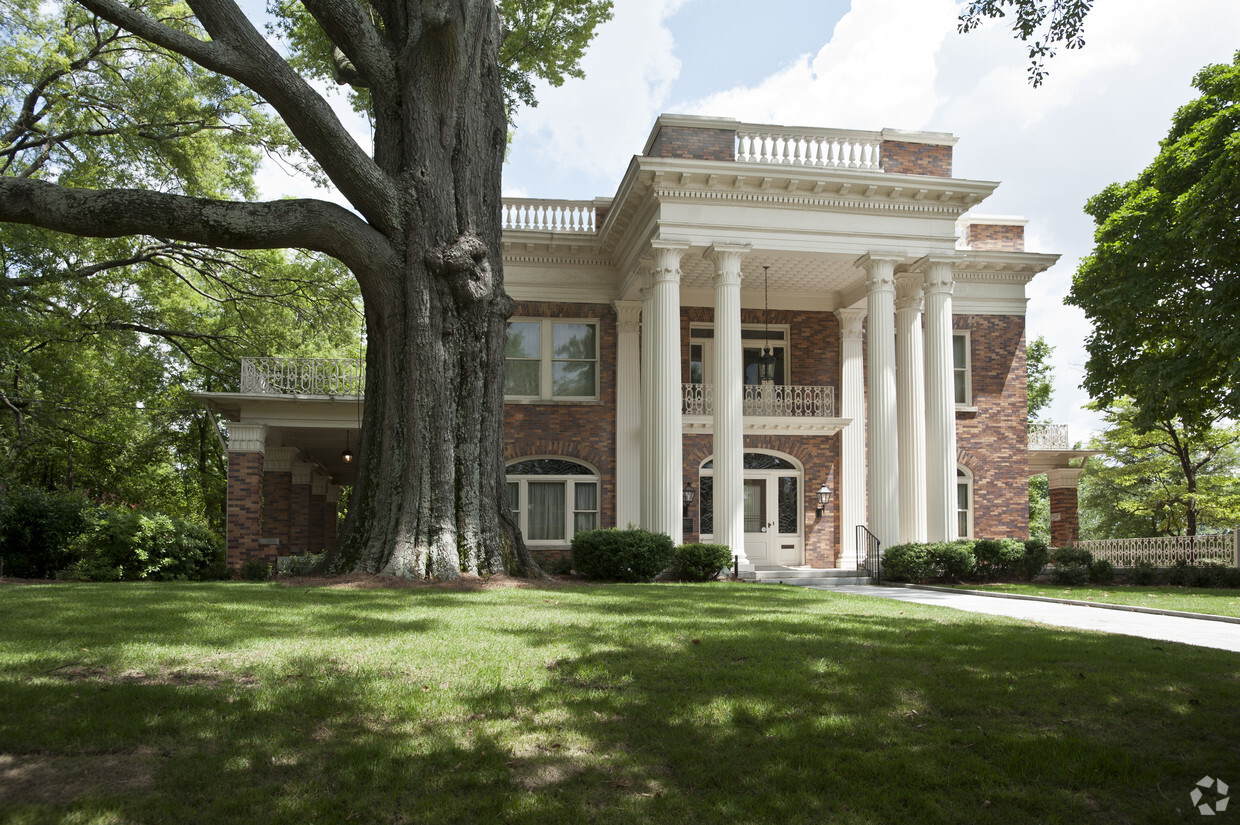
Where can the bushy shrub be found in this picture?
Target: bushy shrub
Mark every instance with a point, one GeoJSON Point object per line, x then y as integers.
{"type": "Point", "coordinates": [255, 570]}
{"type": "Point", "coordinates": [953, 560]}
{"type": "Point", "coordinates": [1142, 572]}
{"type": "Point", "coordinates": [1180, 574]}
{"type": "Point", "coordinates": [1070, 573]}
{"type": "Point", "coordinates": [36, 528]}
{"type": "Point", "coordinates": [119, 544]}
{"type": "Point", "coordinates": [1101, 571]}
{"type": "Point", "coordinates": [1037, 555]}
{"type": "Point", "coordinates": [1072, 555]}
{"type": "Point", "coordinates": [701, 562]}
{"type": "Point", "coordinates": [1213, 574]}
{"type": "Point", "coordinates": [908, 562]}
{"type": "Point", "coordinates": [997, 558]}
{"type": "Point", "coordinates": [625, 555]}
{"type": "Point", "coordinates": [299, 565]}
{"type": "Point", "coordinates": [560, 566]}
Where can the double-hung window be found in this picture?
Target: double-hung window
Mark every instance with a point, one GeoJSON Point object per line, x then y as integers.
{"type": "Point", "coordinates": [553, 499]}
{"type": "Point", "coordinates": [961, 372]}
{"type": "Point", "coordinates": [551, 359]}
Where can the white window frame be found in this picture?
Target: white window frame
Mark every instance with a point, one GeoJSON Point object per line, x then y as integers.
{"type": "Point", "coordinates": [964, 478]}
{"type": "Point", "coordinates": [546, 359]}
{"type": "Point", "coordinates": [967, 403]}
{"type": "Point", "coordinates": [570, 498]}
{"type": "Point", "coordinates": [708, 346]}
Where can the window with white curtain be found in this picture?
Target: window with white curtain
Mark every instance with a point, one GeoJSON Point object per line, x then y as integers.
{"type": "Point", "coordinates": [964, 503]}
{"type": "Point", "coordinates": [553, 499]}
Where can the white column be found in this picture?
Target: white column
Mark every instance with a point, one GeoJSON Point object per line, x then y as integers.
{"type": "Point", "coordinates": [884, 484]}
{"type": "Point", "coordinates": [647, 351]}
{"type": "Point", "coordinates": [940, 403]}
{"type": "Point", "coordinates": [666, 434]}
{"type": "Point", "coordinates": [851, 487]}
{"type": "Point", "coordinates": [910, 407]}
{"type": "Point", "coordinates": [729, 425]}
{"type": "Point", "coordinates": [628, 413]}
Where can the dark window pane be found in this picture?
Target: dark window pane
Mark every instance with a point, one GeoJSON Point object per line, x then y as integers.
{"type": "Point", "coordinates": [789, 503]}
{"type": "Point", "coordinates": [521, 377]}
{"type": "Point", "coordinates": [706, 505]}
{"type": "Point", "coordinates": [548, 467]}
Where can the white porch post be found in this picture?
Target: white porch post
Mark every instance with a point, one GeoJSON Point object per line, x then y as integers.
{"type": "Point", "coordinates": [884, 498]}
{"type": "Point", "coordinates": [666, 441]}
{"type": "Point", "coordinates": [940, 403]}
{"type": "Point", "coordinates": [851, 490]}
{"type": "Point", "coordinates": [647, 411]}
{"type": "Point", "coordinates": [729, 425]}
{"type": "Point", "coordinates": [628, 414]}
{"type": "Point", "coordinates": [910, 407]}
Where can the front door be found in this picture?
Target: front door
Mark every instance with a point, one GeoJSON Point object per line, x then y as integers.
{"type": "Point", "coordinates": [772, 518]}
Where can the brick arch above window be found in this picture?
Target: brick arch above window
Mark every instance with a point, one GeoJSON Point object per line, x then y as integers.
{"type": "Point", "coordinates": [562, 449]}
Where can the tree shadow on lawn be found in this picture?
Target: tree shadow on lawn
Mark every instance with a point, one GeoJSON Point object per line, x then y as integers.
{"type": "Point", "coordinates": [655, 704]}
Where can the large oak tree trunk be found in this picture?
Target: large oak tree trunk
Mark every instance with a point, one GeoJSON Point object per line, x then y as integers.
{"type": "Point", "coordinates": [430, 499]}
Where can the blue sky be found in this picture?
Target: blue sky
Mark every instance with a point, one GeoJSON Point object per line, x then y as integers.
{"type": "Point", "coordinates": [870, 64]}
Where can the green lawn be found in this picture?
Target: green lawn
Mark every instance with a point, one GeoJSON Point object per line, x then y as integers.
{"type": "Point", "coordinates": [227, 702]}
{"type": "Point", "coordinates": [1217, 601]}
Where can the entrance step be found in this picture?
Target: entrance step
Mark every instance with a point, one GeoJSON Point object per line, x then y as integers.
{"type": "Point", "coordinates": [806, 577]}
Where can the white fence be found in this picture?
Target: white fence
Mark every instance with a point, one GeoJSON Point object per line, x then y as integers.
{"type": "Point", "coordinates": [777, 400]}
{"type": "Point", "coordinates": [549, 215]}
{"type": "Point", "coordinates": [1164, 551]}
{"type": "Point", "coordinates": [303, 376]}
{"type": "Point", "coordinates": [839, 148]}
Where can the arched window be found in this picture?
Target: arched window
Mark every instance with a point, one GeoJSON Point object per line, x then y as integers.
{"type": "Point", "coordinates": [553, 499]}
{"type": "Point", "coordinates": [964, 502]}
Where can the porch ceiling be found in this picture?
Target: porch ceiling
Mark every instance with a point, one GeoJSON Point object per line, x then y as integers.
{"type": "Point", "coordinates": [797, 272]}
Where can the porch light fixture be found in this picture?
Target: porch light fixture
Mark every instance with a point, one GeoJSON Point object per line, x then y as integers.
{"type": "Point", "coordinates": [688, 494]}
{"type": "Point", "coordinates": [766, 364]}
{"type": "Point", "coordinates": [347, 455]}
{"type": "Point", "coordinates": [824, 496]}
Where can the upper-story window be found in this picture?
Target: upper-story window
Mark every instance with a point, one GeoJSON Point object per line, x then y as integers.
{"type": "Point", "coordinates": [961, 369]}
{"type": "Point", "coordinates": [754, 339]}
{"type": "Point", "coordinates": [548, 358]}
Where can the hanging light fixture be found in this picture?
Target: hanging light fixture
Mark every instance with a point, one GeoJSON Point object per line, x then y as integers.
{"type": "Point", "coordinates": [766, 364]}
{"type": "Point", "coordinates": [347, 455]}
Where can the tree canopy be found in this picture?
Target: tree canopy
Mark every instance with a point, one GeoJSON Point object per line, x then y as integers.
{"type": "Point", "coordinates": [1163, 282]}
{"type": "Point", "coordinates": [1049, 25]}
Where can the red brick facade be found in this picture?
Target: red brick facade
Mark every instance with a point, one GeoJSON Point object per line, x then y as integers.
{"type": "Point", "coordinates": [1065, 522]}
{"type": "Point", "coordinates": [299, 519]}
{"type": "Point", "coordinates": [993, 442]}
{"type": "Point", "coordinates": [1003, 237]}
{"type": "Point", "coordinates": [276, 488]}
{"type": "Point", "coordinates": [904, 158]}
{"type": "Point", "coordinates": [318, 518]}
{"type": "Point", "coordinates": [245, 507]}
{"type": "Point", "coordinates": [693, 143]}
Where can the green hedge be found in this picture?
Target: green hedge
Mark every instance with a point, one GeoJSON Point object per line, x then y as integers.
{"type": "Point", "coordinates": [701, 562]}
{"type": "Point", "coordinates": [630, 555]}
{"type": "Point", "coordinates": [983, 560]}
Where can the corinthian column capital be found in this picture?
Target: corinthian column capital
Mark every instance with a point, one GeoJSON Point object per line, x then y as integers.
{"type": "Point", "coordinates": [667, 255]}
{"type": "Point", "coordinates": [851, 322]}
{"type": "Point", "coordinates": [727, 261]}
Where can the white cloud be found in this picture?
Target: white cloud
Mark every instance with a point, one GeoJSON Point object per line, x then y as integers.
{"type": "Point", "coordinates": [877, 70]}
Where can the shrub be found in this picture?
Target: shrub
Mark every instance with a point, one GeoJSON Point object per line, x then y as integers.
{"type": "Point", "coordinates": [625, 555]}
{"type": "Point", "coordinates": [908, 562]}
{"type": "Point", "coordinates": [1037, 555]}
{"type": "Point", "coordinates": [36, 529]}
{"type": "Point", "coordinates": [953, 560]}
{"type": "Point", "coordinates": [561, 566]}
{"type": "Point", "coordinates": [1180, 574]}
{"type": "Point", "coordinates": [300, 565]}
{"type": "Point", "coordinates": [997, 558]}
{"type": "Point", "coordinates": [119, 544]}
{"type": "Point", "coordinates": [701, 562]}
{"type": "Point", "coordinates": [1213, 574]}
{"type": "Point", "coordinates": [1071, 555]}
{"type": "Point", "coordinates": [1070, 573]}
{"type": "Point", "coordinates": [255, 570]}
{"type": "Point", "coordinates": [1101, 571]}
{"type": "Point", "coordinates": [1143, 572]}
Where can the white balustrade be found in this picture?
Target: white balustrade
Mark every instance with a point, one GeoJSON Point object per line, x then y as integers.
{"type": "Point", "coordinates": [549, 215]}
{"type": "Point", "coordinates": [1049, 437]}
{"type": "Point", "coordinates": [303, 376]}
{"type": "Point", "coordinates": [838, 148]}
{"type": "Point", "coordinates": [1164, 551]}
{"type": "Point", "coordinates": [784, 401]}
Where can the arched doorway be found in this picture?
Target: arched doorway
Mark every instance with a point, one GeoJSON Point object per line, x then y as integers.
{"type": "Point", "coordinates": [773, 506]}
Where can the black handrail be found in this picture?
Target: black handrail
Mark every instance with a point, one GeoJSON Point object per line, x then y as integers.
{"type": "Point", "coordinates": [871, 560]}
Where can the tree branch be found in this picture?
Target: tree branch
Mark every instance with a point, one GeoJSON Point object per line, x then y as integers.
{"type": "Point", "coordinates": [355, 34]}
{"type": "Point", "coordinates": [111, 213]}
{"type": "Point", "coordinates": [239, 51]}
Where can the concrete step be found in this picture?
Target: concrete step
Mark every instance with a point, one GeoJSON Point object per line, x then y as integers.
{"type": "Point", "coordinates": [806, 577]}
{"type": "Point", "coordinates": [824, 581]}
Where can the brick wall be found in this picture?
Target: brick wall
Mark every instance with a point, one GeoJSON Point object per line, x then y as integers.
{"type": "Point", "coordinates": [276, 487]}
{"type": "Point", "coordinates": [317, 541]}
{"type": "Point", "coordinates": [993, 442]}
{"type": "Point", "coordinates": [690, 142]}
{"type": "Point", "coordinates": [245, 509]}
{"type": "Point", "coordinates": [299, 518]}
{"type": "Point", "coordinates": [581, 430]}
{"type": "Point", "coordinates": [1065, 522]}
{"type": "Point", "coordinates": [901, 157]}
{"type": "Point", "coordinates": [331, 520]}
{"type": "Point", "coordinates": [996, 236]}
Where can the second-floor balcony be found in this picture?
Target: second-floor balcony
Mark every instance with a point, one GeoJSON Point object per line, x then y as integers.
{"type": "Point", "coordinates": [1046, 436]}
{"type": "Point", "coordinates": [778, 400]}
{"type": "Point", "coordinates": [303, 376]}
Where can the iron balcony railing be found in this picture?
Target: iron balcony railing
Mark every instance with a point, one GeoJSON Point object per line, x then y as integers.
{"type": "Point", "coordinates": [1049, 437]}
{"type": "Point", "coordinates": [303, 376]}
{"type": "Point", "coordinates": [776, 400]}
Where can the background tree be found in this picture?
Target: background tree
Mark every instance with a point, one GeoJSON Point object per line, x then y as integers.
{"type": "Point", "coordinates": [1162, 285]}
{"type": "Point", "coordinates": [1038, 373]}
{"type": "Point", "coordinates": [1173, 480]}
{"type": "Point", "coordinates": [1049, 25]}
{"type": "Point", "coordinates": [423, 240]}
